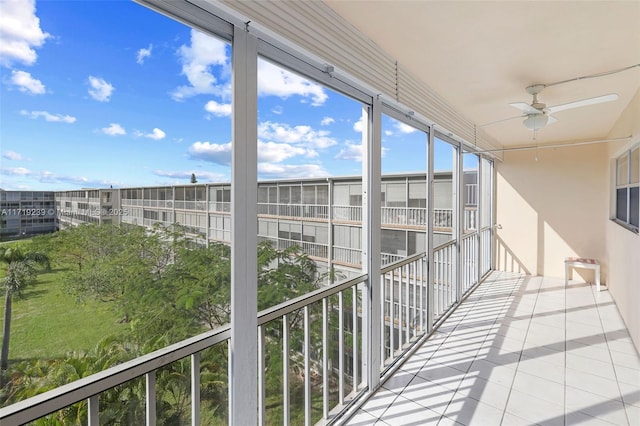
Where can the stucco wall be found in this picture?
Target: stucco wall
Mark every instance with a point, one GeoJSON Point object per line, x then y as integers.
{"type": "Point", "coordinates": [560, 205]}
{"type": "Point", "coordinates": [623, 246]}
{"type": "Point", "coordinates": [551, 208]}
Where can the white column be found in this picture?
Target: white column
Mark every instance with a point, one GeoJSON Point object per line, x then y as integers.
{"type": "Point", "coordinates": [458, 187]}
{"type": "Point", "coordinates": [371, 202]}
{"type": "Point", "coordinates": [429, 237]}
{"type": "Point", "coordinates": [243, 347]}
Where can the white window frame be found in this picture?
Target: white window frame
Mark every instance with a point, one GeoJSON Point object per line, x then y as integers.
{"type": "Point", "coordinates": [629, 152]}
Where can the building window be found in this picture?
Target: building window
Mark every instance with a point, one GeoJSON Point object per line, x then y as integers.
{"type": "Point", "coordinates": [627, 194]}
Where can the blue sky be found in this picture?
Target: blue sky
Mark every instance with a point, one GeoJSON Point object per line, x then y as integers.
{"type": "Point", "coordinates": [101, 93]}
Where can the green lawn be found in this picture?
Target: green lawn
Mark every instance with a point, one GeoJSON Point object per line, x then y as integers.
{"type": "Point", "coordinates": [47, 323]}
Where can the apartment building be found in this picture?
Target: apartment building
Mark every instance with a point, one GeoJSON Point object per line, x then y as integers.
{"type": "Point", "coordinates": [321, 216]}
{"type": "Point", "coordinates": [24, 213]}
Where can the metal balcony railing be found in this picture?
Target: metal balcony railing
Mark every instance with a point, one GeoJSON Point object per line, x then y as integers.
{"type": "Point", "coordinates": [320, 334]}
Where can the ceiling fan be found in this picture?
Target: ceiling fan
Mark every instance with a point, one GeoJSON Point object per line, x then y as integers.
{"type": "Point", "coordinates": [538, 115]}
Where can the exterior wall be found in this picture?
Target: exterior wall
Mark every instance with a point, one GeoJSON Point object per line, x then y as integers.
{"type": "Point", "coordinates": [623, 246]}
{"type": "Point", "coordinates": [560, 205]}
{"type": "Point", "coordinates": [87, 206]}
{"type": "Point", "coordinates": [322, 216]}
{"type": "Point", "coordinates": [551, 208]}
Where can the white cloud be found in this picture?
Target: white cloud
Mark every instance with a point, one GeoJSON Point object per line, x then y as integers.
{"type": "Point", "coordinates": [26, 83]}
{"type": "Point", "coordinates": [353, 151]}
{"type": "Point", "coordinates": [114, 129]}
{"type": "Point", "coordinates": [56, 118]}
{"type": "Point", "coordinates": [304, 135]}
{"type": "Point", "coordinates": [267, 152]}
{"type": "Point", "coordinates": [388, 133]}
{"type": "Point", "coordinates": [100, 89]}
{"type": "Point", "coordinates": [45, 176]}
{"type": "Point", "coordinates": [201, 175]}
{"type": "Point", "coordinates": [276, 81]}
{"type": "Point", "coordinates": [219, 110]}
{"type": "Point", "coordinates": [12, 155]}
{"type": "Point", "coordinates": [327, 120]}
{"type": "Point", "coordinates": [212, 152]}
{"type": "Point", "coordinates": [277, 152]}
{"type": "Point", "coordinates": [281, 171]}
{"type": "Point", "coordinates": [198, 61]}
{"type": "Point", "coordinates": [404, 128]}
{"type": "Point", "coordinates": [16, 171]}
{"type": "Point", "coordinates": [358, 125]}
{"type": "Point", "coordinates": [143, 54]}
{"type": "Point", "coordinates": [156, 134]}
{"type": "Point", "coordinates": [20, 33]}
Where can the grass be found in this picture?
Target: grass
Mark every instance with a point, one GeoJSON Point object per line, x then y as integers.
{"type": "Point", "coordinates": [47, 323]}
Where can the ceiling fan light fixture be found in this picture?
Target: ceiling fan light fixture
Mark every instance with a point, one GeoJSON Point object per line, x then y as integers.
{"type": "Point", "coordinates": [536, 121]}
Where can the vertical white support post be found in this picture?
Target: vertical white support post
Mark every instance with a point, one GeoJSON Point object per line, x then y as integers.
{"type": "Point", "coordinates": [392, 311]}
{"type": "Point", "coordinates": [150, 379]}
{"type": "Point", "coordinates": [285, 371]}
{"type": "Point", "coordinates": [371, 204]}
{"type": "Point", "coordinates": [243, 347]}
{"type": "Point", "coordinates": [407, 293]}
{"type": "Point", "coordinates": [330, 226]}
{"type": "Point", "coordinates": [94, 410]}
{"type": "Point", "coordinates": [195, 389]}
{"type": "Point", "coordinates": [430, 217]}
{"type": "Point", "coordinates": [479, 221]}
{"type": "Point", "coordinates": [458, 186]}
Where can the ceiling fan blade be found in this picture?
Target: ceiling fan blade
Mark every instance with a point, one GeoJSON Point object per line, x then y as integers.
{"type": "Point", "coordinates": [584, 102]}
{"type": "Point", "coordinates": [526, 108]}
{"type": "Point", "coordinates": [552, 119]}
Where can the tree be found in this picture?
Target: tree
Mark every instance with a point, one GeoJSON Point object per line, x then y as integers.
{"type": "Point", "coordinates": [22, 268]}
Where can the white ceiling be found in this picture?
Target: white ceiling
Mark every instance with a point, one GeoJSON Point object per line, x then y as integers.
{"type": "Point", "coordinates": [481, 55]}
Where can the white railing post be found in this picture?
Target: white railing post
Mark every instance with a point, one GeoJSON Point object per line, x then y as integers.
{"type": "Point", "coordinates": [261, 369]}
{"type": "Point", "coordinates": [195, 389]}
{"type": "Point", "coordinates": [94, 410]}
{"type": "Point", "coordinates": [285, 371]}
{"type": "Point", "coordinates": [243, 347]}
{"type": "Point", "coordinates": [150, 379]}
{"type": "Point", "coordinates": [307, 367]}
{"type": "Point", "coordinates": [341, 348]}
{"type": "Point", "coordinates": [371, 202]}
{"type": "Point", "coordinates": [325, 359]}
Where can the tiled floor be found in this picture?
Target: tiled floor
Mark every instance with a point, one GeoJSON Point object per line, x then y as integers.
{"type": "Point", "coordinates": [519, 351]}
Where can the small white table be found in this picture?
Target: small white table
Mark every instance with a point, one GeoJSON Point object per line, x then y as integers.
{"type": "Point", "coordinates": [580, 262]}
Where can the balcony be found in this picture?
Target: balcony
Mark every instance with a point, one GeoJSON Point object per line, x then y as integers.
{"type": "Point", "coordinates": [403, 319]}
{"type": "Point", "coordinates": [515, 349]}
{"type": "Point", "coordinates": [518, 350]}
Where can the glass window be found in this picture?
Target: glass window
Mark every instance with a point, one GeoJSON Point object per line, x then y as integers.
{"type": "Point", "coordinates": [621, 204]}
{"type": "Point", "coordinates": [623, 169]}
{"type": "Point", "coordinates": [634, 206]}
{"type": "Point", "coordinates": [627, 203]}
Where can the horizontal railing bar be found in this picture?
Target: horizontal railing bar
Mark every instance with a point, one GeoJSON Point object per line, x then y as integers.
{"type": "Point", "coordinates": [300, 302]}
{"type": "Point", "coordinates": [398, 263]}
{"type": "Point", "coordinates": [56, 399]}
{"type": "Point", "coordinates": [444, 245]}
